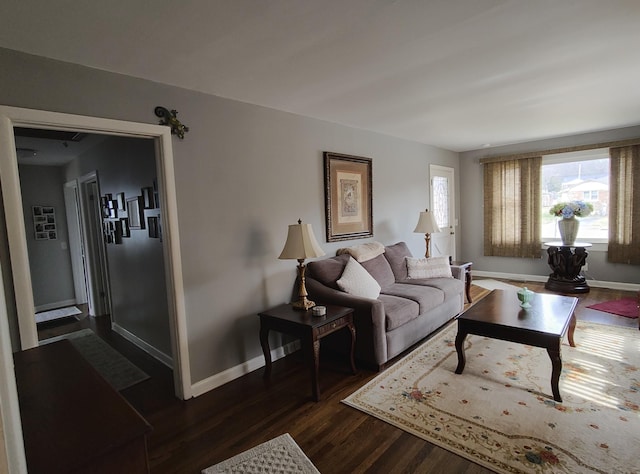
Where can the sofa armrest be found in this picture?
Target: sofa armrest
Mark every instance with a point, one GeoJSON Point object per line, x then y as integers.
{"type": "Point", "coordinates": [458, 272]}
{"type": "Point", "coordinates": [368, 318]}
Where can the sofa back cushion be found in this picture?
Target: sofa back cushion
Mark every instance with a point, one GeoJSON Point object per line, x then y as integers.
{"type": "Point", "coordinates": [380, 269]}
{"type": "Point", "coordinates": [433, 267]}
{"type": "Point", "coordinates": [328, 270]}
{"type": "Point", "coordinates": [395, 255]}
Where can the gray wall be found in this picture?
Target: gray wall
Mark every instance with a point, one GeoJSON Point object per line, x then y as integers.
{"type": "Point", "coordinates": [50, 261]}
{"type": "Point", "coordinates": [243, 174]}
{"type": "Point", "coordinates": [471, 214]}
{"type": "Point", "coordinates": [136, 267]}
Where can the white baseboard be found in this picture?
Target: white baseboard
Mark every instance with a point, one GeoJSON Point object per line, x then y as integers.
{"type": "Point", "coordinates": [238, 371]}
{"type": "Point", "coordinates": [614, 285]}
{"type": "Point", "coordinates": [56, 305]}
{"type": "Point", "coordinates": [145, 346]}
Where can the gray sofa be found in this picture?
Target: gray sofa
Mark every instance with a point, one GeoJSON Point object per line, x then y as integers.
{"type": "Point", "coordinates": [406, 311]}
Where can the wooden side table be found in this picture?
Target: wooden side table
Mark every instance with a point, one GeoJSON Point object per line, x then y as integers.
{"type": "Point", "coordinates": [310, 329]}
{"type": "Point", "coordinates": [466, 268]}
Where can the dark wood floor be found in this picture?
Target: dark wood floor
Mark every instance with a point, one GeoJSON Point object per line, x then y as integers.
{"type": "Point", "coordinates": [191, 435]}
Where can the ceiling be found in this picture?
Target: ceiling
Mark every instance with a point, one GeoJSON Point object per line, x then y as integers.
{"type": "Point", "coordinates": [457, 74]}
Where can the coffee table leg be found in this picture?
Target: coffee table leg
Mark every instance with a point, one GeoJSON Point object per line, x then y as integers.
{"type": "Point", "coordinates": [460, 337]}
{"type": "Point", "coordinates": [572, 328]}
{"type": "Point", "coordinates": [556, 368]}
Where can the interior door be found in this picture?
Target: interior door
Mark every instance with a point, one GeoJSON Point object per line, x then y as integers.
{"type": "Point", "coordinates": [443, 207]}
{"type": "Point", "coordinates": [76, 246]}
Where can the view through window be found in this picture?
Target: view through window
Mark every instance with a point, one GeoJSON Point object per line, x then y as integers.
{"type": "Point", "coordinates": [580, 176]}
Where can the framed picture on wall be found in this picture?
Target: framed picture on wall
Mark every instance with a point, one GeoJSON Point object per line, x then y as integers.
{"type": "Point", "coordinates": [135, 212]}
{"type": "Point", "coordinates": [147, 195]}
{"type": "Point", "coordinates": [121, 202]}
{"type": "Point", "coordinates": [348, 182]}
{"type": "Point", "coordinates": [44, 222]}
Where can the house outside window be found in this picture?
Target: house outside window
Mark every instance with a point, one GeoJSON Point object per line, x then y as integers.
{"type": "Point", "coordinates": [577, 176]}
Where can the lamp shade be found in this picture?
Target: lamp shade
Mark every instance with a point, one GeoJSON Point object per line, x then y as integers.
{"type": "Point", "coordinates": [426, 224]}
{"type": "Point", "coordinates": [301, 243]}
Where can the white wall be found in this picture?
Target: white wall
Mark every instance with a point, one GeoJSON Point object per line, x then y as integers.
{"type": "Point", "coordinates": [244, 173]}
{"type": "Point", "coordinates": [471, 213]}
{"type": "Point", "coordinates": [50, 261]}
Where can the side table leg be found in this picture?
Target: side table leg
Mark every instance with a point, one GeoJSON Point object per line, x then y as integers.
{"type": "Point", "coordinates": [264, 342]}
{"type": "Point", "coordinates": [572, 328]}
{"type": "Point", "coordinates": [352, 330]}
{"type": "Point", "coordinates": [315, 366]}
{"type": "Point", "coordinates": [556, 364]}
{"type": "Point", "coordinates": [460, 337]}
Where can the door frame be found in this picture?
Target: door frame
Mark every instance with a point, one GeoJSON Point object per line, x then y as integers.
{"type": "Point", "coordinates": [96, 268]}
{"type": "Point", "coordinates": [11, 117]}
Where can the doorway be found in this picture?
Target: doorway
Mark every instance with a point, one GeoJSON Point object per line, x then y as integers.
{"type": "Point", "coordinates": [11, 117]}
{"type": "Point", "coordinates": [443, 207]}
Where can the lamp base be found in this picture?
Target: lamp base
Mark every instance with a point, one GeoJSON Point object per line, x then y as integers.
{"type": "Point", "coordinates": [303, 304]}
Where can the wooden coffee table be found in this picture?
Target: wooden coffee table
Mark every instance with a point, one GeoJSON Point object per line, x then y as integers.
{"type": "Point", "coordinates": [499, 316]}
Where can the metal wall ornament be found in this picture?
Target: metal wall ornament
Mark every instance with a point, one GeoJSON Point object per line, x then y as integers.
{"type": "Point", "coordinates": [170, 118]}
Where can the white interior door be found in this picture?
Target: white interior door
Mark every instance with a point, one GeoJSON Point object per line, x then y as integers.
{"type": "Point", "coordinates": [443, 207]}
{"type": "Point", "coordinates": [76, 246]}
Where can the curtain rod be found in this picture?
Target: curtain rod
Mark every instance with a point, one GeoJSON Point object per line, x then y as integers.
{"type": "Point", "coordinates": [531, 154]}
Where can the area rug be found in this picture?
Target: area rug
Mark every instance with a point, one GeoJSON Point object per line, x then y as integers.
{"type": "Point", "coordinates": [499, 412]}
{"type": "Point", "coordinates": [113, 366]}
{"type": "Point", "coordinates": [494, 285]}
{"type": "Point", "coordinates": [280, 455]}
{"type": "Point", "coordinates": [627, 307]}
{"type": "Point", "coordinates": [55, 314]}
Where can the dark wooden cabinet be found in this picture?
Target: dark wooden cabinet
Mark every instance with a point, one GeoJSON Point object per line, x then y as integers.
{"type": "Point", "coordinates": [73, 421]}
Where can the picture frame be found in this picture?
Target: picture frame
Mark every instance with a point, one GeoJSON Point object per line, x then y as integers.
{"type": "Point", "coordinates": [348, 183]}
{"type": "Point", "coordinates": [135, 212]}
{"type": "Point", "coordinates": [149, 200]}
{"type": "Point", "coordinates": [121, 202]}
{"type": "Point", "coordinates": [44, 222]}
{"type": "Point", "coordinates": [153, 227]}
{"type": "Point", "coordinates": [126, 231]}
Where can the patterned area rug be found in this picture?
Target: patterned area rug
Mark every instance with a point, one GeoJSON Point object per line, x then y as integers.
{"type": "Point", "coordinates": [113, 366]}
{"type": "Point", "coordinates": [500, 413]}
{"type": "Point", "coordinates": [280, 455]}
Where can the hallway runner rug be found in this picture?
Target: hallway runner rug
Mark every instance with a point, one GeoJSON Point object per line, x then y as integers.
{"type": "Point", "coordinates": [280, 455]}
{"type": "Point", "coordinates": [113, 366]}
{"type": "Point", "coordinates": [499, 412]}
{"type": "Point", "coordinates": [55, 314]}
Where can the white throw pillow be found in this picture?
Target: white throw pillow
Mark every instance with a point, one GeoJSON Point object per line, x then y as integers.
{"type": "Point", "coordinates": [433, 267]}
{"type": "Point", "coordinates": [357, 281]}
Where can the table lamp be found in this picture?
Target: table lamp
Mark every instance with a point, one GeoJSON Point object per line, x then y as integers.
{"type": "Point", "coordinates": [301, 244]}
{"type": "Point", "coordinates": [427, 225]}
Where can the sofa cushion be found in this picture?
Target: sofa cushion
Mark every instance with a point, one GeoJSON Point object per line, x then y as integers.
{"type": "Point", "coordinates": [380, 269]}
{"type": "Point", "coordinates": [434, 267]}
{"type": "Point", "coordinates": [427, 297]}
{"type": "Point", "coordinates": [398, 311]}
{"type": "Point", "coordinates": [452, 287]}
{"type": "Point", "coordinates": [328, 271]}
{"type": "Point", "coordinates": [395, 255]}
{"type": "Point", "coordinates": [357, 281]}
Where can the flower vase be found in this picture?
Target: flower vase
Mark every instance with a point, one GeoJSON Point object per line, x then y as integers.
{"type": "Point", "coordinates": [568, 227]}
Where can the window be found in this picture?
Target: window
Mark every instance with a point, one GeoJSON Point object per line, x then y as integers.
{"type": "Point", "coordinates": [581, 176]}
